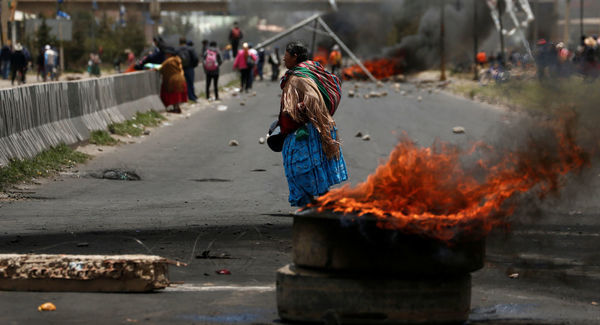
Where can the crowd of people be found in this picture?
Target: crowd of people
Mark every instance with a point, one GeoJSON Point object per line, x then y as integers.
{"type": "Point", "coordinates": [171, 61]}
{"type": "Point", "coordinates": [16, 60]}
{"type": "Point", "coordinates": [550, 59]}
{"type": "Point", "coordinates": [557, 60]}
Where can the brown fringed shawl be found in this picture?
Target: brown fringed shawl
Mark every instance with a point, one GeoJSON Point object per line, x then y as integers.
{"type": "Point", "coordinates": [303, 100]}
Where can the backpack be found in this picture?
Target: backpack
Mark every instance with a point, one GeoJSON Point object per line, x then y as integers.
{"type": "Point", "coordinates": [184, 55]}
{"type": "Point", "coordinates": [250, 61]}
{"type": "Point", "coordinates": [210, 61]}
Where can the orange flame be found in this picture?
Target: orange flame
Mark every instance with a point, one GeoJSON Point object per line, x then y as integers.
{"type": "Point", "coordinates": [380, 69]}
{"type": "Point", "coordinates": [427, 191]}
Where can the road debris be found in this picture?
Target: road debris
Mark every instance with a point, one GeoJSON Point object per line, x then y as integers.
{"type": "Point", "coordinates": [366, 137]}
{"type": "Point", "coordinates": [207, 255]}
{"type": "Point", "coordinates": [419, 98]}
{"type": "Point", "coordinates": [146, 132]}
{"type": "Point", "coordinates": [514, 275]}
{"type": "Point", "coordinates": [116, 174]}
{"type": "Point", "coordinates": [242, 103]}
{"type": "Point", "coordinates": [83, 244]}
{"type": "Point", "coordinates": [351, 93]}
{"type": "Point", "coordinates": [47, 306]}
{"type": "Point", "coordinates": [594, 303]}
{"type": "Point", "coordinates": [458, 129]}
{"type": "Point", "coordinates": [359, 134]}
{"type": "Point", "coordinates": [233, 143]}
{"type": "Point", "coordinates": [224, 272]}
{"type": "Point", "coordinates": [222, 108]}
{"type": "Point", "coordinates": [261, 140]}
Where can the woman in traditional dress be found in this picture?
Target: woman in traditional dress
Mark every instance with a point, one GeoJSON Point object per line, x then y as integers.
{"type": "Point", "coordinates": [173, 90]}
{"type": "Point", "coordinates": [312, 155]}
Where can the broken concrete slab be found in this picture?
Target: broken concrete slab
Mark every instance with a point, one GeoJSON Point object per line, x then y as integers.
{"type": "Point", "coordinates": [84, 273]}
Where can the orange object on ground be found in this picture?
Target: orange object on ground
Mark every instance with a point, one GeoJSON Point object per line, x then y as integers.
{"type": "Point", "coordinates": [48, 306]}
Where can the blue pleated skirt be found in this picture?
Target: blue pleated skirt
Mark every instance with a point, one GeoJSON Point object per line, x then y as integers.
{"type": "Point", "coordinates": [308, 171]}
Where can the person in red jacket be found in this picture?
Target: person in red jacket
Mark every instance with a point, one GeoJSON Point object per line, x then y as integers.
{"type": "Point", "coordinates": [235, 35]}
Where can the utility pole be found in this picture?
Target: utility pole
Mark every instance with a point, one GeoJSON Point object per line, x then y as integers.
{"type": "Point", "coordinates": [314, 36]}
{"type": "Point", "coordinates": [94, 9]}
{"type": "Point", "coordinates": [536, 34]}
{"type": "Point", "coordinates": [442, 41]}
{"type": "Point", "coordinates": [566, 36]}
{"type": "Point", "coordinates": [580, 19]}
{"type": "Point", "coordinates": [475, 41]}
{"type": "Point", "coordinates": [13, 29]}
{"type": "Point", "coordinates": [4, 21]}
{"type": "Point", "coordinates": [500, 12]}
{"type": "Point", "coordinates": [155, 15]}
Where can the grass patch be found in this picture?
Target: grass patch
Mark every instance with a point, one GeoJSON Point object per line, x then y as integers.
{"type": "Point", "coordinates": [233, 83]}
{"type": "Point", "coordinates": [135, 126]}
{"type": "Point", "coordinates": [102, 138]}
{"type": "Point", "coordinates": [533, 95]}
{"type": "Point", "coordinates": [45, 164]}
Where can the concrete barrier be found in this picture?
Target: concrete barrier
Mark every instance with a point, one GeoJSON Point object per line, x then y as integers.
{"type": "Point", "coordinates": [36, 117]}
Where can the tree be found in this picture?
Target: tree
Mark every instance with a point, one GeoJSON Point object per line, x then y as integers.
{"type": "Point", "coordinates": [177, 24]}
{"type": "Point", "coordinates": [42, 35]}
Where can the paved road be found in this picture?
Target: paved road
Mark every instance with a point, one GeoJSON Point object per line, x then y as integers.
{"type": "Point", "coordinates": [198, 194]}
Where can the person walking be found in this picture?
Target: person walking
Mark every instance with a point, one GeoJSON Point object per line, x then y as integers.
{"type": "Point", "coordinates": [18, 65]}
{"type": "Point", "coordinates": [312, 155]}
{"type": "Point", "coordinates": [156, 55]}
{"type": "Point", "coordinates": [211, 62]}
{"type": "Point", "coordinates": [335, 59]}
{"type": "Point", "coordinates": [252, 64]}
{"type": "Point", "coordinates": [173, 90]}
{"type": "Point", "coordinates": [261, 63]}
{"type": "Point", "coordinates": [5, 54]}
{"type": "Point", "coordinates": [204, 47]}
{"type": "Point", "coordinates": [235, 35]}
{"type": "Point", "coordinates": [274, 61]}
{"type": "Point", "coordinates": [50, 60]}
{"type": "Point", "coordinates": [244, 62]}
{"type": "Point", "coordinates": [189, 61]}
{"type": "Point", "coordinates": [94, 65]}
{"type": "Point", "coordinates": [227, 53]}
{"type": "Point", "coordinates": [39, 61]}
